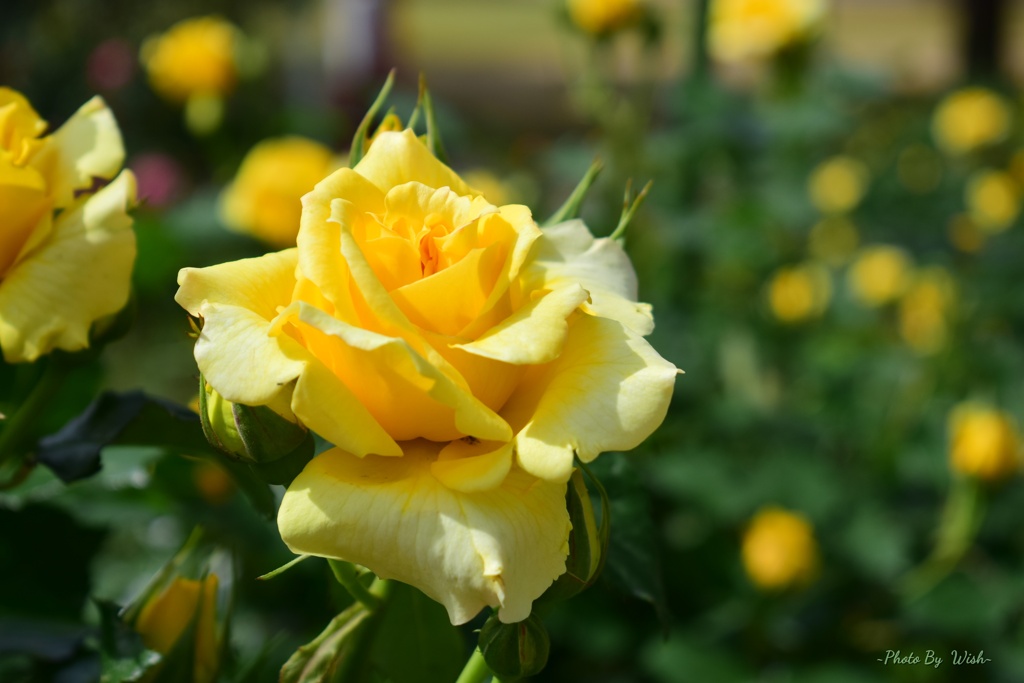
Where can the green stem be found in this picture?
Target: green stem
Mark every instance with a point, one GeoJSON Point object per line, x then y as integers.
{"type": "Point", "coordinates": [354, 667]}
{"type": "Point", "coordinates": [476, 670]}
{"type": "Point", "coordinates": [961, 519]}
{"type": "Point", "coordinates": [346, 575]}
{"type": "Point", "coordinates": [19, 431]}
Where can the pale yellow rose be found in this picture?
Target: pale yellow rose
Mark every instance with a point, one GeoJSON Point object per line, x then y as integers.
{"type": "Point", "coordinates": [184, 602]}
{"type": "Point", "coordinates": [779, 550]}
{"type": "Point", "coordinates": [879, 274]}
{"type": "Point", "coordinates": [969, 119]}
{"type": "Point", "coordinates": [66, 250]}
{"type": "Point", "coordinates": [194, 58]}
{"type": "Point", "coordinates": [799, 292]}
{"type": "Point", "coordinates": [838, 184]}
{"type": "Point", "coordinates": [265, 198]}
{"type": "Point", "coordinates": [984, 442]}
{"type": "Point", "coordinates": [993, 200]}
{"type": "Point", "coordinates": [755, 29]}
{"type": "Point", "coordinates": [925, 310]}
{"type": "Point", "coordinates": [602, 16]}
{"type": "Point", "coordinates": [456, 355]}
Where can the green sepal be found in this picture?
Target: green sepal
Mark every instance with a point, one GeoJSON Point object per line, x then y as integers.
{"type": "Point", "coordinates": [515, 650]}
{"type": "Point", "coordinates": [320, 659]}
{"type": "Point", "coordinates": [434, 143]}
{"type": "Point", "coordinates": [588, 542]}
{"type": "Point", "coordinates": [358, 149]}
{"type": "Point", "coordinates": [571, 208]}
{"type": "Point", "coordinates": [630, 205]}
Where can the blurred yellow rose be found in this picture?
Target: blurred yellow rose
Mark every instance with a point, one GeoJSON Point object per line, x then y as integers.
{"type": "Point", "coordinates": [984, 442]}
{"type": "Point", "coordinates": [456, 355]}
{"type": "Point", "coordinates": [879, 274]}
{"type": "Point", "coordinates": [265, 198]}
{"type": "Point", "coordinates": [602, 16]}
{"type": "Point", "coordinates": [993, 200]}
{"type": "Point", "coordinates": [779, 550]}
{"type": "Point", "coordinates": [965, 235]}
{"type": "Point", "coordinates": [925, 309]}
{"type": "Point", "coordinates": [838, 184]}
{"type": "Point", "coordinates": [168, 615]}
{"type": "Point", "coordinates": [970, 118]}
{"type": "Point", "coordinates": [195, 57]}
{"type": "Point", "coordinates": [755, 29]}
{"type": "Point", "coordinates": [833, 240]}
{"type": "Point", "coordinates": [66, 248]}
{"type": "Point", "coordinates": [799, 292]}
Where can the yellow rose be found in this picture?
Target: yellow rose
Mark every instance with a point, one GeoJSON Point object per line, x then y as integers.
{"type": "Point", "coordinates": [837, 185]}
{"type": "Point", "coordinates": [66, 250]}
{"type": "Point", "coordinates": [602, 16]}
{"type": "Point", "coordinates": [799, 292]}
{"type": "Point", "coordinates": [195, 57]}
{"type": "Point", "coordinates": [984, 443]}
{"type": "Point", "coordinates": [779, 550]}
{"type": "Point", "coordinates": [879, 274]}
{"type": "Point", "coordinates": [755, 29]}
{"type": "Point", "coordinates": [993, 200]}
{"type": "Point", "coordinates": [265, 198]}
{"type": "Point", "coordinates": [969, 119]}
{"type": "Point", "coordinates": [833, 239]}
{"type": "Point", "coordinates": [184, 602]}
{"type": "Point", "coordinates": [456, 355]}
{"type": "Point", "coordinates": [924, 310]}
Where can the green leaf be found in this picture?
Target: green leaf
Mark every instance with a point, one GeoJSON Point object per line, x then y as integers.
{"type": "Point", "coordinates": [632, 564]}
{"type": "Point", "coordinates": [432, 650]}
{"type": "Point", "coordinates": [571, 208]}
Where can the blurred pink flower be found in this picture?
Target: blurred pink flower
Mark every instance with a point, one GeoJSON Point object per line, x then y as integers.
{"type": "Point", "coordinates": [160, 178]}
{"type": "Point", "coordinates": [111, 65]}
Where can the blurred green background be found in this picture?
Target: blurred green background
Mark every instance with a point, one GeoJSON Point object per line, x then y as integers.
{"type": "Point", "coordinates": [819, 381]}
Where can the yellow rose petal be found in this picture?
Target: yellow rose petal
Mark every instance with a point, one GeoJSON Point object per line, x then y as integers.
{"type": "Point", "coordinates": [86, 147]}
{"type": "Point", "coordinates": [399, 158]}
{"type": "Point", "coordinates": [501, 547]}
{"type": "Point", "coordinates": [568, 252]}
{"type": "Point", "coordinates": [78, 275]}
{"type": "Point", "coordinates": [260, 285]}
{"type": "Point", "coordinates": [409, 396]}
{"type": "Point", "coordinates": [608, 390]}
{"type": "Point", "coordinates": [471, 465]}
{"type": "Point", "coordinates": [535, 333]}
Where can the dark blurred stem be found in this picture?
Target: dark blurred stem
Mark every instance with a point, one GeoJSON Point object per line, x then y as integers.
{"type": "Point", "coordinates": [701, 62]}
{"type": "Point", "coordinates": [961, 519]}
{"type": "Point", "coordinates": [983, 22]}
{"type": "Point", "coordinates": [476, 670]}
{"type": "Point", "coordinates": [18, 433]}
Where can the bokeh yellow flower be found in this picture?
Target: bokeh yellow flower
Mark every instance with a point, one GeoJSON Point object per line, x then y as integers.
{"type": "Point", "coordinates": [925, 310]}
{"type": "Point", "coordinates": [755, 29]}
{"type": "Point", "coordinates": [799, 292]}
{"type": "Point", "coordinates": [833, 240]}
{"type": "Point", "coordinates": [969, 119]}
{"type": "Point", "coordinates": [879, 274]}
{"type": "Point", "coordinates": [490, 186]}
{"type": "Point", "coordinates": [984, 442]}
{"type": "Point", "coordinates": [965, 235]}
{"type": "Point", "coordinates": [265, 198]}
{"type": "Point", "coordinates": [837, 185]}
{"type": "Point", "coordinates": [603, 16]}
{"type": "Point", "coordinates": [66, 248]}
{"type": "Point", "coordinates": [993, 200]}
{"type": "Point", "coordinates": [779, 550]}
{"type": "Point", "coordinates": [194, 58]}
{"type": "Point", "coordinates": [457, 356]}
